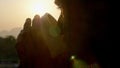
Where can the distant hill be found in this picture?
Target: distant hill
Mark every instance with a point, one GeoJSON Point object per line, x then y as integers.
{"type": "Point", "coordinates": [14, 32]}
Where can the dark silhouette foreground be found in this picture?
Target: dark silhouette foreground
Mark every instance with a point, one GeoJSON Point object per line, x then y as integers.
{"type": "Point", "coordinates": [39, 44]}
{"type": "Point", "coordinates": [83, 28]}
{"type": "Point", "coordinates": [86, 30]}
{"type": "Point", "coordinates": [31, 48]}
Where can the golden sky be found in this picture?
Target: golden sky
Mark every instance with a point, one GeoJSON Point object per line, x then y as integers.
{"type": "Point", "coordinates": [14, 12]}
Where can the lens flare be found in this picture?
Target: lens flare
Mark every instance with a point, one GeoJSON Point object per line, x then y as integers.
{"type": "Point", "coordinates": [72, 57]}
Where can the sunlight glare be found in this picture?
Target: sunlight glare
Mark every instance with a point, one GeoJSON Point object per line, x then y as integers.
{"type": "Point", "coordinates": [40, 9]}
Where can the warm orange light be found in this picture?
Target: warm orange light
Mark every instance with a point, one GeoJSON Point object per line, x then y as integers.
{"type": "Point", "coordinates": [40, 9]}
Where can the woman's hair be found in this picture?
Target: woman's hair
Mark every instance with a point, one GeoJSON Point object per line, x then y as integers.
{"type": "Point", "coordinates": [98, 24]}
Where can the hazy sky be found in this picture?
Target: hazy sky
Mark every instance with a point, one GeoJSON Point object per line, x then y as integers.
{"type": "Point", "coordinates": [14, 12]}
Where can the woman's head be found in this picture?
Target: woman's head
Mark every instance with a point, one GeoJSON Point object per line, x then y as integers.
{"type": "Point", "coordinates": [84, 23]}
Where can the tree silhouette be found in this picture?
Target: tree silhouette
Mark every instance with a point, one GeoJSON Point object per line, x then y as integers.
{"type": "Point", "coordinates": [7, 49]}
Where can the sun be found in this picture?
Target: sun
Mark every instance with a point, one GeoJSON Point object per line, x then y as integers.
{"type": "Point", "coordinates": [39, 9]}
